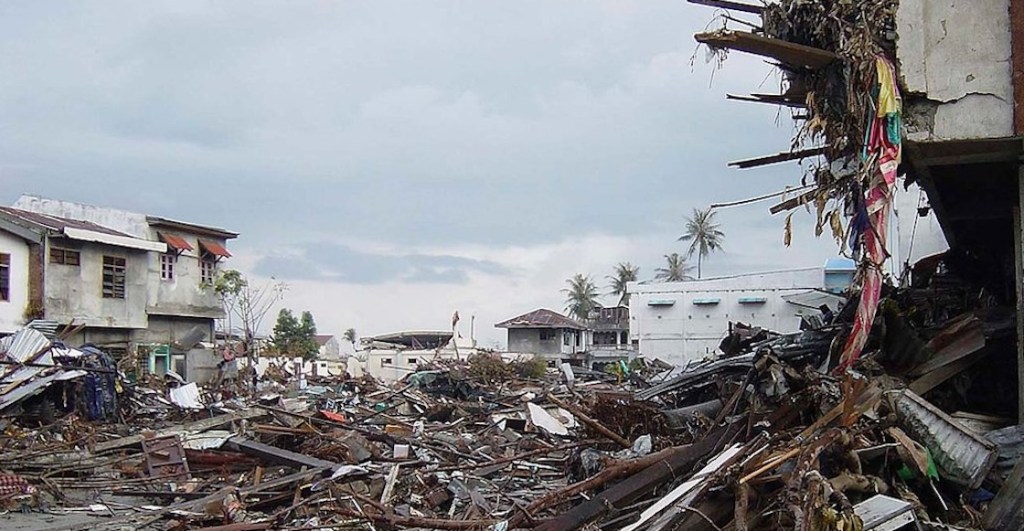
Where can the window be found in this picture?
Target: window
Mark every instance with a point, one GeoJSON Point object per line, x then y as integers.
{"type": "Point", "coordinates": [5, 277]}
{"type": "Point", "coordinates": [113, 277]}
{"type": "Point", "coordinates": [547, 335]}
{"type": "Point", "coordinates": [566, 339]}
{"type": "Point", "coordinates": [65, 256]}
{"type": "Point", "coordinates": [412, 361]}
{"type": "Point", "coordinates": [207, 268]}
{"type": "Point", "coordinates": [385, 361]}
{"type": "Point", "coordinates": [167, 261]}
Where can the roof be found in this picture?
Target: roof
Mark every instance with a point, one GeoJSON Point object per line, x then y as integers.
{"type": "Point", "coordinates": [74, 229]}
{"type": "Point", "coordinates": [176, 242]}
{"type": "Point", "coordinates": [214, 248]}
{"type": "Point", "coordinates": [541, 318]}
{"type": "Point", "coordinates": [322, 339]}
{"type": "Point", "coordinates": [156, 221]}
{"type": "Point", "coordinates": [417, 339]}
{"type": "Point", "coordinates": [55, 223]}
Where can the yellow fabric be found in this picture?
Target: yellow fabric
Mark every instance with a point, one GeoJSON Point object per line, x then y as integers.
{"type": "Point", "coordinates": [888, 101]}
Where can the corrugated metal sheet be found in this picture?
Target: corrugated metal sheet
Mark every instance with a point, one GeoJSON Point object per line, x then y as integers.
{"type": "Point", "coordinates": [963, 457]}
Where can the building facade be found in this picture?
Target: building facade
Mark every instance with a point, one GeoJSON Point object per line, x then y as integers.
{"type": "Point", "coordinates": [549, 335]}
{"type": "Point", "coordinates": [678, 322]}
{"type": "Point", "coordinates": [124, 281]}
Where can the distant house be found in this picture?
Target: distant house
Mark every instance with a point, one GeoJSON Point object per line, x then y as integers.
{"type": "Point", "coordinates": [391, 357]}
{"type": "Point", "coordinates": [547, 334]}
{"type": "Point", "coordinates": [330, 349]}
{"type": "Point", "coordinates": [130, 283]}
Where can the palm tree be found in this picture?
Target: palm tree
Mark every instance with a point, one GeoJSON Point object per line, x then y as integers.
{"type": "Point", "coordinates": [675, 271]}
{"type": "Point", "coordinates": [580, 296]}
{"type": "Point", "coordinates": [625, 272]}
{"type": "Point", "coordinates": [350, 336]}
{"type": "Point", "coordinates": [703, 234]}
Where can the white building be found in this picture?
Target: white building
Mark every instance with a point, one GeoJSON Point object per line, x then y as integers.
{"type": "Point", "coordinates": [391, 357]}
{"type": "Point", "coordinates": [682, 321]}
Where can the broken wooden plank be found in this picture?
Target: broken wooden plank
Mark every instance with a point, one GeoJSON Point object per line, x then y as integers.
{"type": "Point", "coordinates": [597, 426]}
{"type": "Point", "coordinates": [772, 99]}
{"type": "Point", "coordinates": [791, 54]}
{"type": "Point", "coordinates": [646, 481]}
{"type": "Point", "coordinates": [1007, 509]}
{"type": "Point", "coordinates": [959, 340]}
{"type": "Point", "coordinates": [779, 157]}
{"type": "Point", "coordinates": [276, 455]}
{"type": "Point", "coordinates": [794, 202]}
{"type": "Point", "coordinates": [197, 426]}
{"type": "Point", "coordinates": [733, 6]}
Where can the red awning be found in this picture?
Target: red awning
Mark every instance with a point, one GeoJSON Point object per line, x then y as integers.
{"type": "Point", "coordinates": [214, 248]}
{"type": "Point", "coordinates": [175, 242]}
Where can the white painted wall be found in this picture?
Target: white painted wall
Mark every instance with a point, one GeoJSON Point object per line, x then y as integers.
{"type": "Point", "coordinates": [957, 53]}
{"type": "Point", "coordinates": [12, 312]}
{"type": "Point", "coordinates": [132, 223]}
{"type": "Point", "coordinates": [392, 365]}
{"type": "Point", "coordinates": [686, 330]}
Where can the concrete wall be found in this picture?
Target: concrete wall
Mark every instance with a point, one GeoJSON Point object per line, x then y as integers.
{"type": "Point", "coordinates": [165, 330]}
{"type": "Point", "coordinates": [185, 294]}
{"type": "Point", "coordinates": [330, 351]}
{"type": "Point", "coordinates": [132, 223]}
{"type": "Point", "coordinates": [75, 293]}
{"type": "Point", "coordinates": [12, 312]}
{"type": "Point", "coordinates": [954, 59]}
{"type": "Point", "coordinates": [679, 322]}
{"type": "Point", "coordinates": [393, 365]}
{"type": "Point", "coordinates": [528, 340]}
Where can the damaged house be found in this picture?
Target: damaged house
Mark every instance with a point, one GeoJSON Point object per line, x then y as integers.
{"type": "Point", "coordinates": [129, 283]}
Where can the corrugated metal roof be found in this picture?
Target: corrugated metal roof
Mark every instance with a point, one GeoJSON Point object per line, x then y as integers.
{"type": "Point", "coordinates": [176, 242]}
{"type": "Point", "coordinates": [541, 318]}
{"type": "Point", "coordinates": [214, 248]}
{"type": "Point", "coordinates": [55, 223]}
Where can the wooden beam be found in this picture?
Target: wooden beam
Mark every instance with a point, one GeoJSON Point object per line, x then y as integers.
{"type": "Point", "coordinates": [278, 456]}
{"type": "Point", "coordinates": [197, 426]}
{"type": "Point", "coordinates": [734, 6]}
{"type": "Point", "coordinates": [794, 202]}
{"type": "Point", "coordinates": [643, 483]}
{"type": "Point", "coordinates": [772, 99]}
{"type": "Point", "coordinates": [794, 55]}
{"type": "Point", "coordinates": [779, 157]}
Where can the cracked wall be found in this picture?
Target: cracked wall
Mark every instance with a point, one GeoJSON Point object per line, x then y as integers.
{"type": "Point", "coordinates": [954, 59]}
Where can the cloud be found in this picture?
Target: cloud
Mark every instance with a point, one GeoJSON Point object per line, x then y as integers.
{"type": "Point", "coordinates": [333, 262]}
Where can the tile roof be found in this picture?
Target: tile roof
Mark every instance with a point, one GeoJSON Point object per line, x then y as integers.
{"type": "Point", "coordinates": [541, 318]}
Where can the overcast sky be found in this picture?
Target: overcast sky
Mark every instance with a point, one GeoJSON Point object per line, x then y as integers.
{"type": "Point", "coordinates": [394, 161]}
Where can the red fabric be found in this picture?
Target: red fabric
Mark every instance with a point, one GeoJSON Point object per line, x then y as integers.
{"type": "Point", "coordinates": [878, 200]}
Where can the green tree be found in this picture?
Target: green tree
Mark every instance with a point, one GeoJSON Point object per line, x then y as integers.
{"type": "Point", "coordinates": [625, 272]}
{"type": "Point", "coordinates": [295, 337]}
{"type": "Point", "coordinates": [581, 296]}
{"type": "Point", "coordinates": [675, 269]}
{"type": "Point", "coordinates": [703, 234]}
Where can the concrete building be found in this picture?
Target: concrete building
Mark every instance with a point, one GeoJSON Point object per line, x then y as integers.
{"type": "Point", "coordinates": [678, 322]}
{"type": "Point", "coordinates": [330, 349]}
{"type": "Point", "coordinates": [133, 283]}
{"type": "Point", "coordinates": [391, 357]}
{"type": "Point", "coordinates": [547, 334]}
{"type": "Point", "coordinates": [609, 336]}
